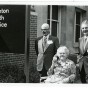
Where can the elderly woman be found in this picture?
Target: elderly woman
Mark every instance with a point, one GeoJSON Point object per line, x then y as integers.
{"type": "Point", "coordinates": [62, 69]}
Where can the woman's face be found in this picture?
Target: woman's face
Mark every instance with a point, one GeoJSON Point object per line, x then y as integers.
{"type": "Point", "coordinates": [62, 54]}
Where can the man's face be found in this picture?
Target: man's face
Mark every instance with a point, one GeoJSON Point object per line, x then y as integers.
{"type": "Point", "coordinates": [84, 28]}
{"type": "Point", "coordinates": [45, 32]}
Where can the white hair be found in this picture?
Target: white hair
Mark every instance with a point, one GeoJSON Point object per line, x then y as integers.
{"type": "Point", "coordinates": [63, 48]}
{"type": "Point", "coordinates": [84, 22]}
{"type": "Point", "coordinates": [45, 26]}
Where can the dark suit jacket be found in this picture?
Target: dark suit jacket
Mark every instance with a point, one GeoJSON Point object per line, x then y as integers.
{"type": "Point", "coordinates": [84, 54]}
{"type": "Point", "coordinates": [49, 52]}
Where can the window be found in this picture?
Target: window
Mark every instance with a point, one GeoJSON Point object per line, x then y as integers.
{"type": "Point", "coordinates": [77, 28]}
{"type": "Point", "coordinates": [52, 19]}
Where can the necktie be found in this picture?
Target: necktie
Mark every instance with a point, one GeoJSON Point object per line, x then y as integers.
{"type": "Point", "coordinates": [45, 41]}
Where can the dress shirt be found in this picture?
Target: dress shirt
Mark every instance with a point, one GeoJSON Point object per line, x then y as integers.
{"type": "Point", "coordinates": [46, 37]}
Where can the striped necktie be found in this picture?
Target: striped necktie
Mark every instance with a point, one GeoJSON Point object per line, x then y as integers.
{"type": "Point", "coordinates": [45, 41]}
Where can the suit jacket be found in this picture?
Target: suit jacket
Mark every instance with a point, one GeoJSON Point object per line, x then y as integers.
{"type": "Point", "coordinates": [84, 54]}
{"type": "Point", "coordinates": [45, 56]}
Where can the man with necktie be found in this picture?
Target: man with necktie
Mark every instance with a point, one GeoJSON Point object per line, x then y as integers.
{"type": "Point", "coordinates": [46, 47]}
{"type": "Point", "coordinates": [82, 58]}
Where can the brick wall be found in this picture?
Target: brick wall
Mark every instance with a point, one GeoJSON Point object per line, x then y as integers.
{"type": "Point", "coordinates": [33, 35]}
{"type": "Point", "coordinates": [19, 59]}
{"type": "Point", "coordinates": [12, 58]}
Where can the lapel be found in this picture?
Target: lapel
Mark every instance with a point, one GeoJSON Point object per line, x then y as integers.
{"type": "Point", "coordinates": [82, 42]}
{"type": "Point", "coordinates": [47, 45]}
{"type": "Point", "coordinates": [40, 46]}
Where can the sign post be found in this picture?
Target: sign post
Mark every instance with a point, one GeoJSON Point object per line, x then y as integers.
{"type": "Point", "coordinates": [27, 40]}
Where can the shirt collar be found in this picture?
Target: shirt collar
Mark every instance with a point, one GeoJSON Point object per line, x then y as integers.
{"type": "Point", "coordinates": [46, 36]}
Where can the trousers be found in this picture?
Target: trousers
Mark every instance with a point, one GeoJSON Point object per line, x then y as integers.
{"type": "Point", "coordinates": [83, 75]}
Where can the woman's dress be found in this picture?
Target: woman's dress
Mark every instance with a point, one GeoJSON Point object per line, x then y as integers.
{"type": "Point", "coordinates": [59, 71]}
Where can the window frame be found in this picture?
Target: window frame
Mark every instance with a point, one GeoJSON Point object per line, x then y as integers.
{"type": "Point", "coordinates": [77, 10]}
{"type": "Point", "coordinates": [52, 20]}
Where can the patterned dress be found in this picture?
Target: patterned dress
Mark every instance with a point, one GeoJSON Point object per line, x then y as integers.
{"type": "Point", "coordinates": [59, 71]}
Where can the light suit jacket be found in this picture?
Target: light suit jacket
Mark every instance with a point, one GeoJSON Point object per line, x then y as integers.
{"type": "Point", "coordinates": [82, 53]}
{"type": "Point", "coordinates": [45, 55]}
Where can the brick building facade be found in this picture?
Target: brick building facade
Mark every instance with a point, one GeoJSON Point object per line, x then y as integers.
{"type": "Point", "coordinates": [64, 23]}
{"type": "Point", "coordinates": [65, 30]}
{"type": "Point", "coordinates": [33, 35]}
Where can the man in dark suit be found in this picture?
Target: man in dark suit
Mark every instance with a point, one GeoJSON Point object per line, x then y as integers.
{"type": "Point", "coordinates": [46, 47]}
{"type": "Point", "coordinates": [83, 53]}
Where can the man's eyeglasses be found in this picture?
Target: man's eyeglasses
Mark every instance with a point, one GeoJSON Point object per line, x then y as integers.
{"type": "Point", "coordinates": [44, 29]}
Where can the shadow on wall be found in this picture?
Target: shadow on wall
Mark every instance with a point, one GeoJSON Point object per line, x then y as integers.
{"type": "Point", "coordinates": [73, 57]}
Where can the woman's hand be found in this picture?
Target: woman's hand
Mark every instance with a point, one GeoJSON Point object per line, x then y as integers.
{"type": "Point", "coordinates": [61, 82]}
{"type": "Point", "coordinates": [65, 80]}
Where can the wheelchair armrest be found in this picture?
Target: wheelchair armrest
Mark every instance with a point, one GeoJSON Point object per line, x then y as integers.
{"type": "Point", "coordinates": [43, 78]}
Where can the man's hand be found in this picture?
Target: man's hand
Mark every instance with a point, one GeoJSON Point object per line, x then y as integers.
{"type": "Point", "coordinates": [77, 65]}
{"type": "Point", "coordinates": [78, 58]}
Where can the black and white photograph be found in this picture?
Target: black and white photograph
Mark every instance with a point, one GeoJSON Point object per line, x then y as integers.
{"type": "Point", "coordinates": [44, 44]}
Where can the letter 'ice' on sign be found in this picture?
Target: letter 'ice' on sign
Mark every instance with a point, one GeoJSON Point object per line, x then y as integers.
{"type": "Point", "coordinates": [3, 24]}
